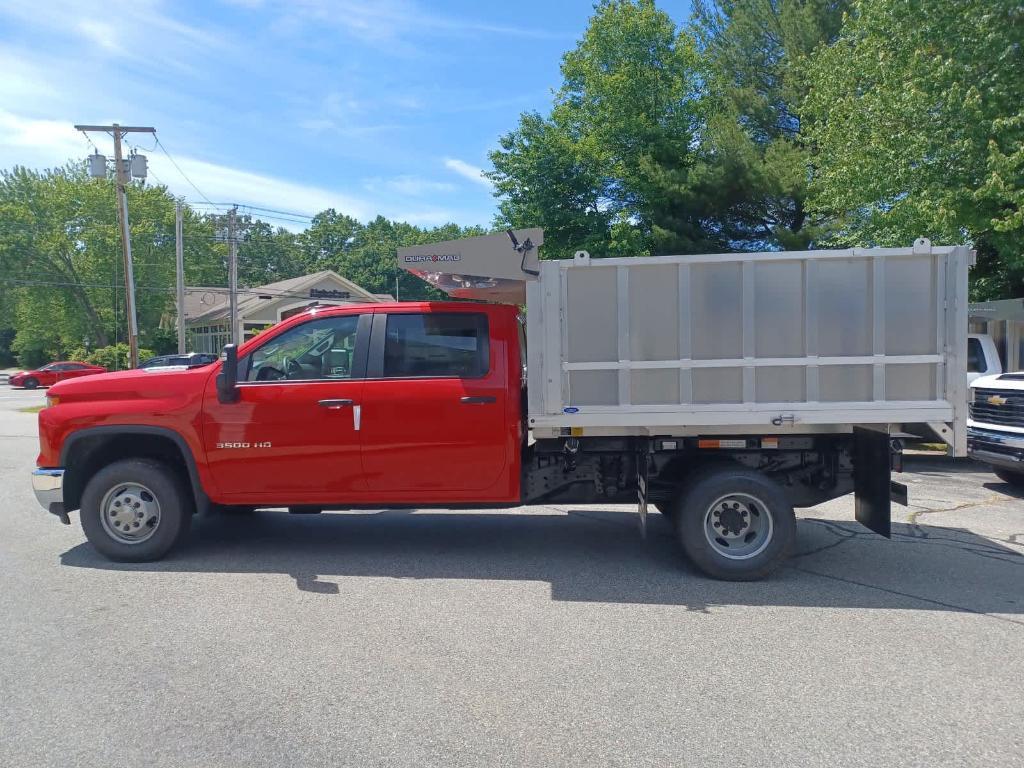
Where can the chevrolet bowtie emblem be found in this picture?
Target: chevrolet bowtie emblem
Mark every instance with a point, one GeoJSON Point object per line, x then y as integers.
{"type": "Point", "coordinates": [997, 400]}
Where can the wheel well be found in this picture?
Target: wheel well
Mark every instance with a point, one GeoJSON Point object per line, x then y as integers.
{"type": "Point", "coordinates": [91, 453]}
{"type": "Point", "coordinates": [680, 471]}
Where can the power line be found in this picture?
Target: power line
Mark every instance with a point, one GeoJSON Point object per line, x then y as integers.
{"type": "Point", "coordinates": [183, 174]}
{"type": "Point", "coordinates": [256, 208]}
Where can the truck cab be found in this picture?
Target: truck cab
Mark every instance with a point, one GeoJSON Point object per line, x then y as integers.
{"type": "Point", "coordinates": [358, 406]}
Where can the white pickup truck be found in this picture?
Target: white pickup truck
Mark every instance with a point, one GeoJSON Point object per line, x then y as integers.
{"type": "Point", "coordinates": [995, 425]}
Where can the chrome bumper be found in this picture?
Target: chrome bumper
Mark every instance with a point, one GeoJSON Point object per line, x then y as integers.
{"type": "Point", "coordinates": [1001, 449]}
{"type": "Point", "coordinates": [48, 485]}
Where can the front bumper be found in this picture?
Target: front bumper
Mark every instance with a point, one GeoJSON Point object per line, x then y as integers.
{"type": "Point", "coordinates": [1001, 449]}
{"type": "Point", "coordinates": [48, 485]}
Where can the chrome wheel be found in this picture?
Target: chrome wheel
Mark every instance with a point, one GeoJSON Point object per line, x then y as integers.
{"type": "Point", "coordinates": [130, 513]}
{"type": "Point", "coordinates": [738, 526]}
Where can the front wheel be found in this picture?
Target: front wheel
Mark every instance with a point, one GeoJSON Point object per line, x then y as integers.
{"type": "Point", "coordinates": [735, 524]}
{"type": "Point", "coordinates": [135, 510]}
{"type": "Point", "coordinates": [1016, 479]}
{"type": "Point", "coordinates": [30, 383]}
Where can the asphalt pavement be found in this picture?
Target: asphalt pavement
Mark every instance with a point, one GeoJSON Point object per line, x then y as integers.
{"type": "Point", "coordinates": [548, 636]}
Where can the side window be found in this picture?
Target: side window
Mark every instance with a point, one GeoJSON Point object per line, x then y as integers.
{"type": "Point", "coordinates": [975, 357]}
{"type": "Point", "coordinates": [452, 345]}
{"type": "Point", "coordinates": [73, 367]}
{"type": "Point", "coordinates": [319, 349]}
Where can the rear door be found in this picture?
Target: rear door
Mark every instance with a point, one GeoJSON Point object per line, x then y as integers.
{"type": "Point", "coordinates": [293, 435]}
{"type": "Point", "coordinates": [434, 406]}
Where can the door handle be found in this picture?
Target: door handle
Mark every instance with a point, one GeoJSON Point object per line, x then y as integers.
{"type": "Point", "coordinates": [334, 404]}
{"type": "Point", "coordinates": [481, 400]}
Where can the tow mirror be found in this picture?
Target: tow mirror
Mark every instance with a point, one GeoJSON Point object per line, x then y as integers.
{"type": "Point", "coordinates": [227, 379]}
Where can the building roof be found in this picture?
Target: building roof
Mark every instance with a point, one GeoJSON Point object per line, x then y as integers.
{"type": "Point", "coordinates": [211, 304]}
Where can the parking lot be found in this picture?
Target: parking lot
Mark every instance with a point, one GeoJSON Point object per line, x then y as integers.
{"type": "Point", "coordinates": [543, 636]}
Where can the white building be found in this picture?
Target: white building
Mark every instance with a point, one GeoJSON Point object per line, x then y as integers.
{"type": "Point", "coordinates": [206, 309]}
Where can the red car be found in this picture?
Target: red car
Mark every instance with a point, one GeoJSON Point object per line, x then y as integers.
{"type": "Point", "coordinates": [52, 373]}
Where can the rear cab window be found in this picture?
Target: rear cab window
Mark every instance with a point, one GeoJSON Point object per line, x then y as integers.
{"type": "Point", "coordinates": [975, 357]}
{"type": "Point", "coordinates": [435, 345]}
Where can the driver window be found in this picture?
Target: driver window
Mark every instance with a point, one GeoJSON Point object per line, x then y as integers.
{"type": "Point", "coordinates": [319, 349]}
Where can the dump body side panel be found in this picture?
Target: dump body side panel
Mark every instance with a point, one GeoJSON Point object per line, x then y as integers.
{"type": "Point", "coordinates": [791, 341]}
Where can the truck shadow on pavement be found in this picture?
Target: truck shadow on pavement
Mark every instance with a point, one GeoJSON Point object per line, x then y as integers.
{"type": "Point", "coordinates": [598, 556]}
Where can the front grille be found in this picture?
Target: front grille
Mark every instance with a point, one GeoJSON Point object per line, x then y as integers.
{"type": "Point", "coordinates": [1006, 414]}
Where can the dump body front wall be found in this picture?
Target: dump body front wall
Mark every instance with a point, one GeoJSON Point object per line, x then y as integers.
{"type": "Point", "coordinates": [869, 336]}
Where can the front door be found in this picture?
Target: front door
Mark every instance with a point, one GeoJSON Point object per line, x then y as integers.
{"type": "Point", "coordinates": [434, 407]}
{"type": "Point", "coordinates": [292, 437]}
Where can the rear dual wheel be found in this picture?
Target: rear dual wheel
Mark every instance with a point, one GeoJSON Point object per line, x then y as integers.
{"type": "Point", "coordinates": [734, 524]}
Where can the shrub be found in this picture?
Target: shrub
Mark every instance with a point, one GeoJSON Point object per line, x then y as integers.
{"type": "Point", "coordinates": [114, 357]}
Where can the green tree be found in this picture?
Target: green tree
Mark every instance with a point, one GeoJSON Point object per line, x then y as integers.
{"type": "Point", "coordinates": [756, 159]}
{"type": "Point", "coordinates": [61, 264]}
{"type": "Point", "coordinates": [593, 172]}
{"type": "Point", "coordinates": [916, 115]}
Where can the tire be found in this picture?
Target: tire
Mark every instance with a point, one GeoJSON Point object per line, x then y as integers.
{"type": "Point", "coordinates": [126, 498]}
{"type": "Point", "coordinates": [1016, 479]}
{"type": "Point", "coordinates": [735, 524]}
{"type": "Point", "coordinates": [30, 383]}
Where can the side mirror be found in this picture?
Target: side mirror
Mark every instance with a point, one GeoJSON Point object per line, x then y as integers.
{"type": "Point", "coordinates": [227, 379]}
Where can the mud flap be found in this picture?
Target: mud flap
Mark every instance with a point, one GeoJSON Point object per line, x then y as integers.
{"type": "Point", "coordinates": [872, 480]}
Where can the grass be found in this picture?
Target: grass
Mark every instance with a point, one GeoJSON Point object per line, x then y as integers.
{"type": "Point", "coordinates": [33, 409]}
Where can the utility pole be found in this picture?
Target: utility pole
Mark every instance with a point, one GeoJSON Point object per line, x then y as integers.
{"type": "Point", "coordinates": [118, 132]}
{"type": "Point", "coordinates": [233, 276]}
{"type": "Point", "coordinates": [179, 254]}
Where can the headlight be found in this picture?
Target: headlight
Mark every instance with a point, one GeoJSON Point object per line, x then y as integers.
{"type": "Point", "coordinates": [52, 400]}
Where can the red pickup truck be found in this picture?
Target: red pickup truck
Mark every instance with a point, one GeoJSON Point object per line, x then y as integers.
{"type": "Point", "coordinates": [405, 404]}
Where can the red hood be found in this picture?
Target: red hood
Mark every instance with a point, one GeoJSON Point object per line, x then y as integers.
{"type": "Point", "coordinates": [139, 382]}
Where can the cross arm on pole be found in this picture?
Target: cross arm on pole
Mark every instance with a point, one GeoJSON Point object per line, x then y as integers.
{"type": "Point", "coordinates": [121, 128]}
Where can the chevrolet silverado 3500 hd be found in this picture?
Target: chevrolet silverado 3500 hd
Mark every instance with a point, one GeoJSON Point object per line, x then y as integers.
{"type": "Point", "coordinates": [723, 390]}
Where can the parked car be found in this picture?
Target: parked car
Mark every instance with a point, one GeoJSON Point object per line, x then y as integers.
{"type": "Point", "coordinates": [52, 373]}
{"type": "Point", "coordinates": [191, 360]}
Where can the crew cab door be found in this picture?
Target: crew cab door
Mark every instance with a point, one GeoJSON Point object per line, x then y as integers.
{"type": "Point", "coordinates": [292, 437]}
{"type": "Point", "coordinates": [434, 418]}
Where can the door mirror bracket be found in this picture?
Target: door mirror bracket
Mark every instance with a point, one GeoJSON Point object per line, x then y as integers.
{"type": "Point", "coordinates": [227, 379]}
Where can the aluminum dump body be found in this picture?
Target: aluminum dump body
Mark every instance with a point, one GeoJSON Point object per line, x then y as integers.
{"type": "Point", "coordinates": [797, 341]}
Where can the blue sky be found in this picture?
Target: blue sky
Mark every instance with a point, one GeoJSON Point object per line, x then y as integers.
{"type": "Point", "coordinates": [386, 107]}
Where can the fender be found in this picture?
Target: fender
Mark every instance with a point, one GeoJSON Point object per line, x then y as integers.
{"type": "Point", "coordinates": [115, 430]}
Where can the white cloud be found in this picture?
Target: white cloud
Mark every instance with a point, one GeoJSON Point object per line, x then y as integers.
{"type": "Point", "coordinates": [413, 186]}
{"type": "Point", "coordinates": [428, 218]}
{"type": "Point", "coordinates": [50, 143]}
{"type": "Point", "coordinates": [392, 21]}
{"type": "Point", "coordinates": [100, 34]}
{"type": "Point", "coordinates": [232, 185]}
{"type": "Point", "coordinates": [466, 170]}
{"type": "Point", "coordinates": [157, 39]}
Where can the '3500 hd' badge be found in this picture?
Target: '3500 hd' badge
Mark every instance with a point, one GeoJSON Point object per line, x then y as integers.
{"type": "Point", "coordinates": [245, 445]}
